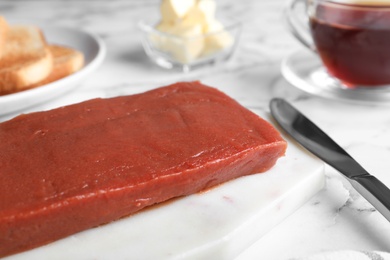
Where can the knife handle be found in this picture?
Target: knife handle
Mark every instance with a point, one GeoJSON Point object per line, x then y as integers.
{"type": "Point", "coordinates": [374, 191]}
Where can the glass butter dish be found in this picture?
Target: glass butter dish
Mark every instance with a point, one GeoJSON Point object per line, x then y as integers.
{"type": "Point", "coordinates": [190, 49]}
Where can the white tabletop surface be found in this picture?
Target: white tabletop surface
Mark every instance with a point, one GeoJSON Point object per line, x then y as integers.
{"type": "Point", "coordinates": [337, 219]}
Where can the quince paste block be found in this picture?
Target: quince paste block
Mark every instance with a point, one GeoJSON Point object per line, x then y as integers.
{"type": "Point", "coordinates": [87, 164]}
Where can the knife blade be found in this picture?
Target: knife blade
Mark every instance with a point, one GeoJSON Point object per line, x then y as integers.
{"type": "Point", "coordinates": [320, 144]}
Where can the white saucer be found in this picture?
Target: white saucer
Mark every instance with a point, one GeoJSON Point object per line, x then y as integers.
{"type": "Point", "coordinates": [94, 52]}
{"type": "Point", "coordinates": [304, 70]}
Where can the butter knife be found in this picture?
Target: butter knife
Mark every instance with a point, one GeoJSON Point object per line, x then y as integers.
{"type": "Point", "coordinates": [320, 144]}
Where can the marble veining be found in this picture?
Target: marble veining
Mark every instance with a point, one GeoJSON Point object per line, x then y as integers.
{"type": "Point", "coordinates": [337, 219]}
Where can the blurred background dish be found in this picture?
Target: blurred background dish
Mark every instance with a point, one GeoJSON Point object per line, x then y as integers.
{"type": "Point", "coordinates": [187, 53]}
{"type": "Point", "coordinates": [304, 70]}
{"type": "Point", "coordinates": [89, 44]}
{"type": "Point", "coordinates": [189, 35]}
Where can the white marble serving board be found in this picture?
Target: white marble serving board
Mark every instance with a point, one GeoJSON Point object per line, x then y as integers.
{"type": "Point", "coordinates": [348, 255]}
{"type": "Point", "coordinates": [217, 224]}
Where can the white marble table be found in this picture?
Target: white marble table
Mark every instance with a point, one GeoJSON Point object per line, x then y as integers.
{"type": "Point", "coordinates": [337, 218]}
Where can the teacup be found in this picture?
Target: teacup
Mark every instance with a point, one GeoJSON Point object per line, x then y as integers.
{"type": "Point", "coordinates": [352, 38]}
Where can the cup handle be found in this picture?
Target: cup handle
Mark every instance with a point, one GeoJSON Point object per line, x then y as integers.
{"type": "Point", "coordinates": [298, 27]}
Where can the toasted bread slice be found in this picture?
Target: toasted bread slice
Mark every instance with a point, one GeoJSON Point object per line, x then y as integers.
{"type": "Point", "coordinates": [26, 59]}
{"type": "Point", "coordinates": [66, 61]}
{"type": "Point", "coordinates": [3, 34]}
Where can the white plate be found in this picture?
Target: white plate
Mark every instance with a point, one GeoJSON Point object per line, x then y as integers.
{"type": "Point", "coordinates": [90, 45]}
{"type": "Point", "coordinates": [304, 70]}
{"type": "Point", "coordinates": [217, 224]}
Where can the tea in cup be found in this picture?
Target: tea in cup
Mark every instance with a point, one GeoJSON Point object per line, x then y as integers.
{"type": "Point", "coordinates": [352, 38]}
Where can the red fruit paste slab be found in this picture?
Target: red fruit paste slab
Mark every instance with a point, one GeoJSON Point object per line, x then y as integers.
{"type": "Point", "coordinates": [84, 165]}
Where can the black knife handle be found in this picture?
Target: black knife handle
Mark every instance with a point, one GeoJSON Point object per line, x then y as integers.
{"type": "Point", "coordinates": [374, 191]}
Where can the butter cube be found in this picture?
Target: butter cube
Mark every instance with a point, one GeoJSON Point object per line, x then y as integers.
{"type": "Point", "coordinates": [173, 10]}
{"type": "Point", "coordinates": [218, 38]}
{"type": "Point", "coordinates": [159, 39]}
{"type": "Point", "coordinates": [207, 8]}
{"type": "Point", "coordinates": [213, 25]}
{"type": "Point", "coordinates": [184, 43]}
{"type": "Point", "coordinates": [201, 13]}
